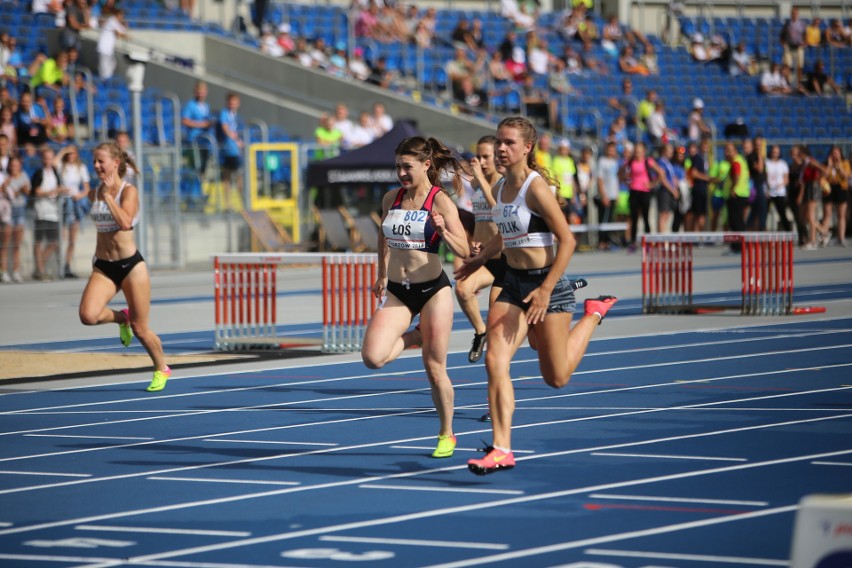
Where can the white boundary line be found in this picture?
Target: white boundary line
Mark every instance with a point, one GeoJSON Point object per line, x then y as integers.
{"type": "Point", "coordinates": [441, 489]}
{"type": "Point", "coordinates": [88, 437]}
{"type": "Point", "coordinates": [410, 542]}
{"type": "Point", "coordinates": [47, 473]}
{"type": "Point", "coordinates": [667, 457]}
{"type": "Point", "coordinates": [161, 530]}
{"type": "Point", "coordinates": [688, 557]}
{"type": "Point", "coordinates": [349, 482]}
{"type": "Point", "coordinates": [216, 480]}
{"type": "Point", "coordinates": [508, 502]}
{"type": "Point", "coordinates": [416, 355]}
{"type": "Point", "coordinates": [679, 500]}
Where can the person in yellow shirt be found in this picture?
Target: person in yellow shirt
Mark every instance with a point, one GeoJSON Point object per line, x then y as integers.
{"type": "Point", "coordinates": [813, 33]}
{"type": "Point", "coordinates": [543, 157]}
{"type": "Point", "coordinates": [564, 170]}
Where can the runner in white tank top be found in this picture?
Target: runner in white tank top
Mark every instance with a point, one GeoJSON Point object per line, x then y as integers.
{"type": "Point", "coordinates": [117, 264]}
{"type": "Point", "coordinates": [537, 297]}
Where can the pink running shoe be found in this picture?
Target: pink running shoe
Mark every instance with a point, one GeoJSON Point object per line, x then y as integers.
{"type": "Point", "coordinates": [599, 306]}
{"type": "Point", "coordinates": [494, 460]}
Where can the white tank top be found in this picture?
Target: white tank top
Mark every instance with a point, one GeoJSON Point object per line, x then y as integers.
{"type": "Point", "coordinates": [520, 227]}
{"type": "Point", "coordinates": [481, 208]}
{"type": "Point", "coordinates": [101, 215]}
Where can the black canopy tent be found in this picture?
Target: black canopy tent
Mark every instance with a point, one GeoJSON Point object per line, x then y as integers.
{"type": "Point", "coordinates": [368, 165]}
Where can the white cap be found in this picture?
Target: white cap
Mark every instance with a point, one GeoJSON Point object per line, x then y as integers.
{"type": "Point", "coordinates": [698, 38]}
{"type": "Point", "coordinates": [284, 28]}
{"type": "Point", "coordinates": [697, 104]}
{"type": "Point", "coordinates": [564, 143]}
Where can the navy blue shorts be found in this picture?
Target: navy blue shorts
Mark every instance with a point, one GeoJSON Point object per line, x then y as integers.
{"type": "Point", "coordinates": [519, 283]}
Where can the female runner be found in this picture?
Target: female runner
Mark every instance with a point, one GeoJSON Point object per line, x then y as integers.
{"type": "Point", "coordinates": [411, 279]}
{"type": "Point", "coordinates": [537, 296]}
{"type": "Point", "coordinates": [118, 265]}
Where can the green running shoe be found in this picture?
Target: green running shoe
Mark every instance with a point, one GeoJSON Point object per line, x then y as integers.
{"type": "Point", "coordinates": [124, 331]}
{"type": "Point", "coordinates": [445, 448]}
{"type": "Point", "coordinates": [158, 383]}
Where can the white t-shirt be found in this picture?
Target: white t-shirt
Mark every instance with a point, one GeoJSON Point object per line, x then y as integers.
{"type": "Point", "coordinates": [47, 208]}
{"type": "Point", "coordinates": [73, 177]}
{"type": "Point", "coordinates": [538, 60]}
{"type": "Point", "coordinates": [775, 172]}
{"type": "Point", "coordinates": [657, 124]}
{"type": "Point", "coordinates": [107, 37]}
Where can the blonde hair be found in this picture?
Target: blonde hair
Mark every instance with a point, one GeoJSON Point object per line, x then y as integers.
{"type": "Point", "coordinates": [125, 162]}
{"type": "Point", "coordinates": [529, 135]}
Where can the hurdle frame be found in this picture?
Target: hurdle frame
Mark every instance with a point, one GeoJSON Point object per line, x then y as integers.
{"type": "Point", "coordinates": [766, 265]}
{"type": "Point", "coordinates": [245, 297]}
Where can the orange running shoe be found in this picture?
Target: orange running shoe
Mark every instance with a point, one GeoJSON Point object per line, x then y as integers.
{"type": "Point", "coordinates": [494, 460]}
{"type": "Point", "coordinates": [599, 306]}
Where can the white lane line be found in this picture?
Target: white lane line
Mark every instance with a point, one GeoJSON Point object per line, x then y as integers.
{"type": "Point", "coordinates": [688, 557]}
{"type": "Point", "coordinates": [549, 549]}
{"type": "Point", "coordinates": [456, 367]}
{"type": "Point", "coordinates": [50, 558]}
{"type": "Point", "coordinates": [843, 464]}
{"type": "Point", "coordinates": [160, 530]}
{"type": "Point", "coordinates": [430, 448]}
{"type": "Point", "coordinates": [48, 473]}
{"type": "Point", "coordinates": [393, 442]}
{"type": "Point", "coordinates": [439, 512]}
{"type": "Point", "coordinates": [503, 503]}
{"type": "Point", "coordinates": [413, 542]}
{"type": "Point", "coordinates": [679, 500]}
{"type": "Point", "coordinates": [441, 489]}
{"type": "Point", "coordinates": [87, 437]}
{"type": "Point", "coordinates": [219, 440]}
{"type": "Point", "coordinates": [549, 397]}
{"type": "Point", "coordinates": [667, 457]}
{"type": "Point", "coordinates": [2, 524]}
{"type": "Point", "coordinates": [238, 481]}
{"type": "Point", "coordinates": [740, 329]}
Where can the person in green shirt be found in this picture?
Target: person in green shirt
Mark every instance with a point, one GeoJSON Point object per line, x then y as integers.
{"type": "Point", "coordinates": [564, 170]}
{"type": "Point", "coordinates": [717, 173]}
{"type": "Point", "coordinates": [646, 108]}
{"type": "Point", "coordinates": [328, 137]}
{"type": "Point", "coordinates": [51, 73]}
{"type": "Point", "coordinates": [736, 189]}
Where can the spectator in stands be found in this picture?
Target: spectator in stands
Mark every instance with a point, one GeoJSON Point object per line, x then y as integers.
{"type": "Point", "coordinates": [46, 6]}
{"type": "Point", "coordinates": [649, 60]}
{"type": "Point", "coordinates": [813, 33]}
{"type": "Point", "coordinates": [7, 126]}
{"type": "Point", "coordinates": [75, 179]}
{"type": "Point", "coordinates": [343, 123]}
{"type": "Point", "coordinates": [793, 41]}
{"type": "Point", "coordinates": [5, 154]}
{"type": "Point", "coordinates": [367, 24]}
{"type": "Point", "coordinates": [557, 79]}
{"type": "Point", "coordinates": [837, 174]}
{"type": "Point", "coordinates": [696, 125]}
{"type": "Point", "coordinates": [741, 62]}
{"type": "Point", "coordinates": [773, 83]}
{"type": "Point", "coordinates": [318, 50]}
{"type": "Point", "coordinates": [606, 195]}
{"type": "Point", "coordinates": [471, 97]}
{"type": "Point", "coordinates": [617, 133]}
{"type": "Point", "coordinates": [362, 133]}
{"type": "Point", "coordinates": [285, 40]}
{"type": "Point", "coordinates": [519, 14]}
{"type": "Point", "coordinates": [58, 124]}
{"type": "Point", "coordinates": [338, 64]}
{"type": "Point", "coordinates": [615, 35]}
{"type": "Point", "coordinates": [541, 107]}
{"type": "Point", "coordinates": [497, 70]}
{"type": "Point", "coordinates": [573, 60]}
{"type": "Point", "coordinates": [14, 64]}
{"type": "Point", "coordinates": [77, 15]}
{"type": "Point", "coordinates": [122, 140]}
{"type": "Point", "coordinates": [430, 23]}
{"type": "Point", "coordinates": [458, 68]}
{"type": "Point", "coordinates": [586, 174]}
{"type": "Point", "coordinates": [475, 39]}
{"type": "Point", "coordinates": [380, 121]}
{"type": "Point", "coordinates": [588, 31]}
{"type": "Point", "coordinates": [543, 156]}
{"type": "Point", "coordinates": [659, 132]}
{"type": "Point", "coordinates": [269, 43]}
{"type": "Point", "coordinates": [113, 28]}
{"type": "Point", "coordinates": [461, 35]}
{"type": "Point", "coordinates": [538, 56]}
{"type": "Point", "coordinates": [15, 186]}
{"type": "Point", "coordinates": [30, 121]}
{"type": "Point", "coordinates": [777, 179]}
{"type": "Point", "coordinates": [421, 36]}
{"type": "Point", "coordinates": [569, 24]}
{"type": "Point", "coordinates": [52, 73]}
{"type": "Point", "coordinates": [627, 62]}
{"type": "Point", "coordinates": [230, 148]}
{"type": "Point", "coordinates": [700, 52]}
{"type": "Point", "coordinates": [819, 82]}
{"type": "Point", "coordinates": [197, 119]}
{"type": "Point", "coordinates": [592, 63]}
{"type": "Point", "coordinates": [835, 35]}
{"type": "Point", "coordinates": [302, 53]}
{"type": "Point", "coordinates": [328, 137]}
{"type": "Point", "coordinates": [47, 190]}
{"type": "Point", "coordinates": [380, 74]}
{"type": "Point", "coordinates": [625, 103]}
{"type": "Point", "coordinates": [392, 22]}
{"type": "Point", "coordinates": [358, 68]}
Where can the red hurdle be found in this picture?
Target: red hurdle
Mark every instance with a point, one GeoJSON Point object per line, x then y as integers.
{"type": "Point", "coordinates": [245, 297]}
{"type": "Point", "coordinates": [766, 269]}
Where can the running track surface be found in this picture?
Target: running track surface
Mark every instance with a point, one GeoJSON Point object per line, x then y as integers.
{"type": "Point", "coordinates": [667, 450]}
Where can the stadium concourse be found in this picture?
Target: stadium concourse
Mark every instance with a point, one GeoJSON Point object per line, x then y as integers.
{"type": "Point", "coordinates": [681, 441]}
